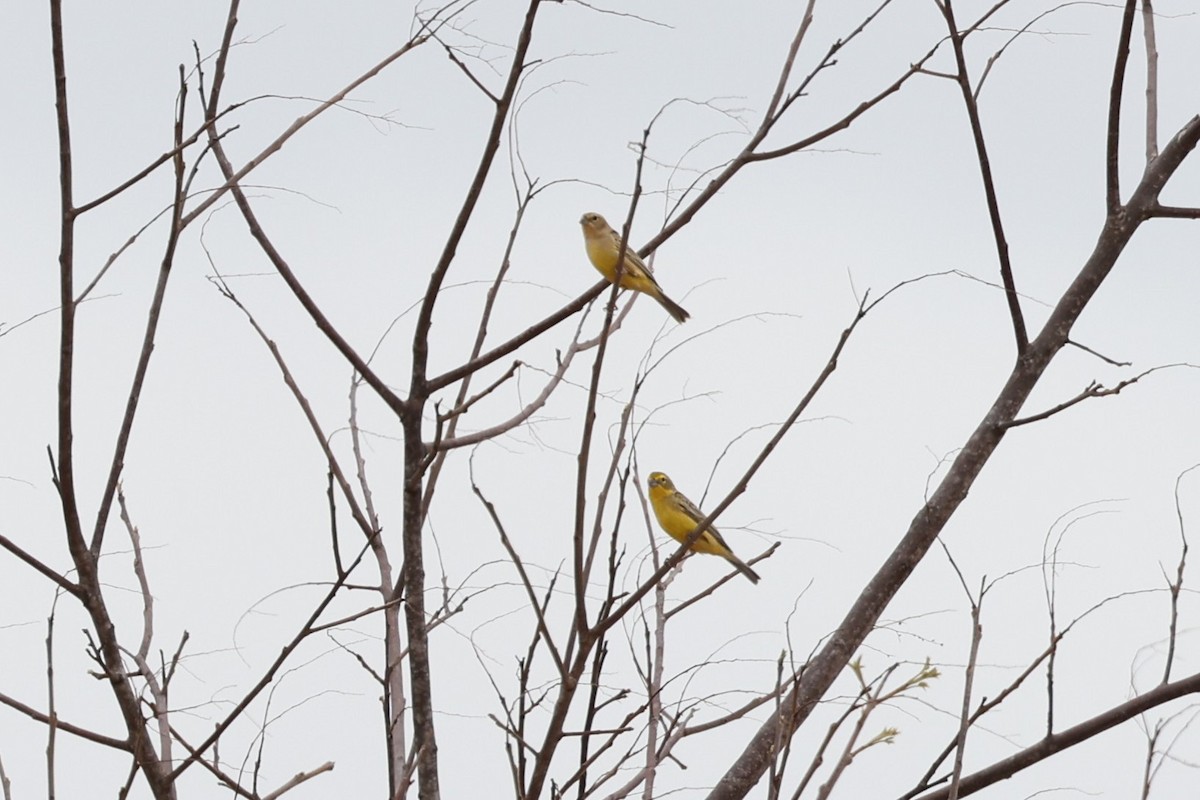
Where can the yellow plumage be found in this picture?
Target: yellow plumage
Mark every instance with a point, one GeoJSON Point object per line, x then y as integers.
{"type": "Point", "coordinates": [679, 516]}
{"type": "Point", "coordinates": [604, 244]}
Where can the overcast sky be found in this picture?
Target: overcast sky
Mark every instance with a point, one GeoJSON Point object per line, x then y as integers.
{"type": "Point", "coordinates": [227, 484]}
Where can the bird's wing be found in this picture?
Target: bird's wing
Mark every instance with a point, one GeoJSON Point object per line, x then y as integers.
{"type": "Point", "coordinates": [697, 515]}
{"type": "Point", "coordinates": [633, 262]}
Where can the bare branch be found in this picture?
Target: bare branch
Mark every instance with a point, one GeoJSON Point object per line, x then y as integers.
{"type": "Point", "coordinates": [152, 318]}
{"type": "Point", "coordinates": [364, 524]}
{"type": "Point", "coordinates": [1113, 159]}
{"type": "Point", "coordinates": [306, 629]}
{"type": "Point", "coordinates": [932, 517]}
{"type": "Point", "coordinates": [5, 784]}
{"type": "Point", "coordinates": [91, 592]}
{"type": "Point", "coordinates": [1101, 356]}
{"type": "Point", "coordinates": [1070, 737]}
{"type": "Point", "coordinates": [60, 580]}
{"type": "Point", "coordinates": [1174, 212]}
{"type": "Point", "coordinates": [52, 707]}
{"type": "Point", "coordinates": [543, 629]}
{"type": "Point", "coordinates": [158, 690]}
{"type": "Point", "coordinates": [461, 401]}
{"type": "Point", "coordinates": [297, 779]}
{"type": "Point", "coordinates": [416, 454]}
{"type": "Point", "coordinates": [964, 719]}
{"type": "Point", "coordinates": [1093, 389]}
{"type": "Point", "coordinates": [1151, 82]}
{"type": "Point", "coordinates": [75, 730]}
{"type": "Point", "coordinates": [743, 483]}
{"type": "Point", "coordinates": [989, 185]}
{"type": "Point", "coordinates": [1176, 586]}
{"type": "Point", "coordinates": [235, 177]}
{"type": "Point", "coordinates": [465, 71]}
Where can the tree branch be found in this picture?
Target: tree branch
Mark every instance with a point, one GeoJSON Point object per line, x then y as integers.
{"type": "Point", "coordinates": [1070, 737]}
{"type": "Point", "coordinates": [76, 730]}
{"type": "Point", "coordinates": [1113, 157]}
{"type": "Point", "coordinates": [989, 185]}
{"type": "Point", "coordinates": [1151, 81]}
{"type": "Point", "coordinates": [60, 580]}
{"type": "Point", "coordinates": [932, 517]}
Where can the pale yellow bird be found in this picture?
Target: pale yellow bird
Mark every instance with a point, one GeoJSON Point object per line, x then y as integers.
{"type": "Point", "coordinates": [679, 516]}
{"type": "Point", "coordinates": [603, 245]}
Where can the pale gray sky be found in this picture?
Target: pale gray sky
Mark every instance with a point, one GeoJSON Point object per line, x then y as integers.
{"type": "Point", "coordinates": [227, 484]}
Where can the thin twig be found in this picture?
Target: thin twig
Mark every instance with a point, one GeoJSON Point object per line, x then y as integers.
{"type": "Point", "coordinates": [52, 707]}
{"type": "Point", "coordinates": [268, 677]}
{"type": "Point", "coordinates": [60, 580]}
{"type": "Point", "coordinates": [1176, 586]}
{"type": "Point", "coordinates": [67, 727]}
{"type": "Point", "coordinates": [743, 483]}
{"type": "Point", "coordinates": [964, 719]}
{"type": "Point", "coordinates": [1049, 745]}
{"type": "Point", "coordinates": [1151, 82]}
{"type": "Point", "coordinates": [963, 79]}
{"type": "Point", "coordinates": [1117, 88]}
{"type": "Point", "coordinates": [516, 559]}
{"type": "Point", "coordinates": [297, 779]}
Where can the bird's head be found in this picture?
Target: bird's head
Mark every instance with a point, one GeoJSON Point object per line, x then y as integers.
{"type": "Point", "coordinates": [593, 221]}
{"type": "Point", "coordinates": [660, 479]}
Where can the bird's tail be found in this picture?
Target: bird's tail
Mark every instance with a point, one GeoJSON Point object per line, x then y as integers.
{"type": "Point", "coordinates": [674, 309]}
{"type": "Point", "coordinates": [742, 568]}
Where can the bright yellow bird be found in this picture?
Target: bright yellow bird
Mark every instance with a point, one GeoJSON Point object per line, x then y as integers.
{"type": "Point", "coordinates": [679, 516]}
{"type": "Point", "coordinates": [603, 245]}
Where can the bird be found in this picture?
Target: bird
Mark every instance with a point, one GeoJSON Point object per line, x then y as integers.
{"type": "Point", "coordinates": [603, 244]}
{"type": "Point", "coordinates": [679, 516]}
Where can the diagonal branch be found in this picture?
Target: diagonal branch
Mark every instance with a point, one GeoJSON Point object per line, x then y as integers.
{"type": "Point", "coordinates": [36, 563]}
{"type": "Point", "coordinates": [277, 144]}
{"type": "Point", "coordinates": [963, 79]}
{"type": "Point", "coordinates": [542, 627]}
{"type": "Point", "coordinates": [685, 547]}
{"type": "Point", "coordinates": [1093, 389]}
{"type": "Point", "coordinates": [1176, 586]}
{"type": "Point", "coordinates": [929, 521]}
{"type": "Point", "coordinates": [1113, 157]}
{"type": "Point", "coordinates": [748, 155]}
{"type": "Point", "coordinates": [152, 317]}
{"type": "Point", "coordinates": [461, 401]}
{"type": "Point", "coordinates": [474, 191]}
{"type": "Point", "coordinates": [525, 336]}
{"type": "Point", "coordinates": [1049, 745]}
{"type": "Point", "coordinates": [307, 629]}
{"type": "Point", "coordinates": [1151, 81]}
{"type": "Point", "coordinates": [416, 454]}
{"type": "Point", "coordinates": [385, 393]}
{"type": "Point", "coordinates": [90, 588]}
{"type": "Point", "coordinates": [83, 733]}
{"type": "Point", "coordinates": [1175, 212]}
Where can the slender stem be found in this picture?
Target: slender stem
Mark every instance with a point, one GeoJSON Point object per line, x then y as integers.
{"type": "Point", "coordinates": [109, 652]}
{"type": "Point", "coordinates": [117, 463]}
{"type": "Point", "coordinates": [964, 720]}
{"type": "Point", "coordinates": [1113, 156]}
{"type": "Point", "coordinates": [963, 80]}
{"type": "Point", "coordinates": [1151, 81]}
{"type": "Point", "coordinates": [1070, 737]}
{"type": "Point", "coordinates": [66, 275]}
{"type": "Point", "coordinates": [416, 453]}
{"type": "Point", "coordinates": [820, 673]}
